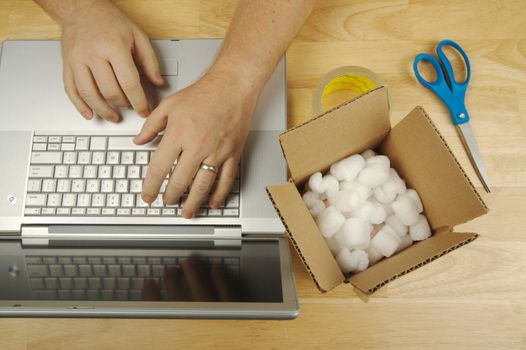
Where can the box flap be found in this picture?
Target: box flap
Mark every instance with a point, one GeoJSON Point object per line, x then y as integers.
{"type": "Point", "coordinates": [421, 156]}
{"type": "Point", "coordinates": [409, 259]}
{"type": "Point", "coordinates": [305, 236]}
{"type": "Point", "coordinates": [349, 128]}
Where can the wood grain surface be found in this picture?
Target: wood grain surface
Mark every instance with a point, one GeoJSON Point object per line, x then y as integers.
{"type": "Point", "coordinates": [473, 298]}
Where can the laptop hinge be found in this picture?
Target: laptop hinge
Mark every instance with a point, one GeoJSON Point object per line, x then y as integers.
{"type": "Point", "coordinates": [41, 235]}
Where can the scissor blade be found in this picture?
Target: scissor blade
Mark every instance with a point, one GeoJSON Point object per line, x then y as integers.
{"type": "Point", "coordinates": [472, 149]}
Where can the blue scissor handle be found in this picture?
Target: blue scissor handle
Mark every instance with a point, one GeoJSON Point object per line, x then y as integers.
{"type": "Point", "coordinates": [451, 92]}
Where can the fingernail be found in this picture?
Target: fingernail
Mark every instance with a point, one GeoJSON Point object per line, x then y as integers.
{"type": "Point", "coordinates": [214, 205]}
{"type": "Point", "coordinates": [147, 198]}
{"type": "Point", "coordinates": [87, 114]}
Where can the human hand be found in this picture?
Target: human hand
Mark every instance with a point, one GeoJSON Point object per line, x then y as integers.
{"type": "Point", "coordinates": [206, 123]}
{"type": "Point", "coordinates": [99, 46]}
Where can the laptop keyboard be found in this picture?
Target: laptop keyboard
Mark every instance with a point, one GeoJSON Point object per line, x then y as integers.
{"type": "Point", "coordinates": [100, 176]}
{"type": "Point", "coordinates": [106, 277]}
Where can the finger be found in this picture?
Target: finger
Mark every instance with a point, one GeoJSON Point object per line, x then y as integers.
{"type": "Point", "coordinates": [151, 291]}
{"type": "Point", "coordinates": [155, 123]}
{"type": "Point", "coordinates": [198, 281]}
{"type": "Point", "coordinates": [182, 176]}
{"type": "Point", "coordinates": [147, 59]}
{"type": "Point", "coordinates": [160, 165]}
{"type": "Point", "coordinates": [90, 94]}
{"type": "Point", "coordinates": [130, 82]}
{"type": "Point", "coordinates": [201, 186]}
{"type": "Point", "coordinates": [73, 94]}
{"type": "Point", "coordinates": [173, 279]}
{"type": "Point", "coordinates": [108, 85]}
{"type": "Point", "coordinates": [227, 175]}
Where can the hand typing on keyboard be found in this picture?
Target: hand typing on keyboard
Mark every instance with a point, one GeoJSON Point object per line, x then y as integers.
{"type": "Point", "coordinates": [99, 46]}
{"type": "Point", "coordinates": [204, 124]}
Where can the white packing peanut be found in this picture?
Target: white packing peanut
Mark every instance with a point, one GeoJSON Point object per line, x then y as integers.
{"type": "Point", "coordinates": [349, 185]}
{"type": "Point", "coordinates": [420, 230]}
{"type": "Point", "coordinates": [374, 255]}
{"type": "Point", "coordinates": [394, 183]}
{"type": "Point", "coordinates": [378, 213]}
{"type": "Point", "coordinates": [397, 225]}
{"type": "Point", "coordinates": [379, 160]}
{"type": "Point", "coordinates": [334, 246]}
{"type": "Point", "coordinates": [416, 198]}
{"type": "Point", "coordinates": [405, 209]}
{"type": "Point", "coordinates": [354, 234]}
{"type": "Point", "coordinates": [386, 241]}
{"type": "Point", "coordinates": [315, 182]}
{"type": "Point", "coordinates": [330, 185]}
{"type": "Point", "coordinates": [311, 198]}
{"type": "Point", "coordinates": [373, 175]}
{"type": "Point", "coordinates": [329, 221]}
{"type": "Point", "coordinates": [347, 169]}
{"type": "Point", "coordinates": [388, 209]}
{"type": "Point", "coordinates": [364, 211]}
{"type": "Point", "coordinates": [354, 261]}
{"type": "Point", "coordinates": [384, 195]}
{"type": "Point", "coordinates": [405, 242]}
{"type": "Point", "coordinates": [368, 154]}
{"type": "Point", "coordinates": [316, 209]}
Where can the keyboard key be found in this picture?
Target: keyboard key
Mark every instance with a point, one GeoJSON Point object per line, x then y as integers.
{"type": "Point", "coordinates": [153, 212]}
{"type": "Point", "coordinates": [48, 211]}
{"type": "Point", "coordinates": [40, 171]}
{"type": "Point", "coordinates": [55, 139]}
{"type": "Point", "coordinates": [94, 260]}
{"type": "Point", "coordinates": [106, 294]}
{"type": "Point", "coordinates": [127, 158]}
{"type": "Point", "coordinates": [90, 172]}
{"type": "Point", "coordinates": [136, 186]}
{"type": "Point", "coordinates": [79, 294]}
{"type": "Point", "coordinates": [135, 295]}
{"type": "Point", "coordinates": [39, 138]}
{"type": "Point", "coordinates": [99, 270]}
{"type": "Point", "coordinates": [92, 294]}
{"type": "Point", "coordinates": [80, 282]}
{"type": "Point", "coordinates": [39, 147]}
{"type": "Point", "coordinates": [119, 172]}
{"type": "Point", "coordinates": [35, 200]}
{"type": "Point", "coordinates": [82, 143]}
{"type": "Point", "coordinates": [51, 283]}
{"type": "Point", "coordinates": [128, 200]}
{"type": "Point", "coordinates": [169, 212]}
{"type": "Point", "coordinates": [125, 260]}
{"type": "Point", "coordinates": [113, 157]}
{"type": "Point", "coordinates": [36, 283]}
{"type": "Point", "coordinates": [158, 270]}
{"type": "Point", "coordinates": [105, 172]}
{"type": "Point", "coordinates": [75, 172]}
{"type": "Point", "coordinates": [123, 282]}
{"type": "Point", "coordinates": [85, 270]}
{"type": "Point", "coordinates": [78, 211]}
{"type": "Point", "coordinates": [125, 143]}
{"type": "Point", "coordinates": [45, 294]}
{"type": "Point", "coordinates": [93, 211]}
{"type": "Point", "coordinates": [202, 212]}
{"type": "Point", "coordinates": [78, 185]}
{"type": "Point", "coordinates": [69, 200]}
{"type": "Point", "coordinates": [138, 212]}
{"type": "Point", "coordinates": [70, 270]}
{"type": "Point", "coordinates": [54, 200]}
{"type": "Point", "coordinates": [31, 211]}
{"type": "Point", "coordinates": [64, 294]}
{"type": "Point", "coordinates": [46, 157]}
{"type": "Point", "coordinates": [53, 147]}
{"type": "Point", "coordinates": [143, 270]}
{"type": "Point", "coordinates": [158, 202]}
{"type": "Point", "coordinates": [215, 212]}
{"type": "Point", "coordinates": [106, 186]}
{"type": "Point", "coordinates": [121, 294]}
{"type": "Point", "coordinates": [94, 283]}
{"type": "Point", "coordinates": [84, 157]}
{"type": "Point", "coordinates": [232, 201]}
{"type": "Point", "coordinates": [68, 139]}
{"type": "Point", "coordinates": [79, 260]}
{"type": "Point", "coordinates": [139, 260]}
{"type": "Point", "coordinates": [98, 200]}
{"type": "Point", "coordinates": [37, 270]}
{"type": "Point", "coordinates": [99, 158]}
{"type": "Point", "coordinates": [67, 147]}
{"type": "Point", "coordinates": [98, 143]}
{"type": "Point", "coordinates": [230, 212]}
{"type": "Point", "coordinates": [64, 260]}
{"type": "Point", "coordinates": [34, 185]}
{"type": "Point", "coordinates": [70, 157]}
{"type": "Point", "coordinates": [121, 186]}
{"type": "Point", "coordinates": [109, 260]}
{"type": "Point", "coordinates": [134, 172]}
{"type": "Point", "coordinates": [128, 270]}
{"type": "Point", "coordinates": [123, 212]}
{"type": "Point", "coordinates": [65, 282]}
{"type": "Point", "coordinates": [114, 270]}
{"type": "Point", "coordinates": [113, 200]}
{"type": "Point", "coordinates": [63, 211]}
{"type": "Point", "coordinates": [93, 186]}
{"type": "Point", "coordinates": [64, 185]}
{"type": "Point", "coordinates": [56, 270]}
{"type": "Point", "coordinates": [49, 185]}
{"type": "Point", "coordinates": [141, 158]}
{"type": "Point", "coordinates": [137, 282]}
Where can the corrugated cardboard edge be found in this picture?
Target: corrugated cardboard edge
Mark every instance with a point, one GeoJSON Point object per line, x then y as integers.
{"type": "Point", "coordinates": [325, 275]}
{"type": "Point", "coordinates": [446, 146]}
{"type": "Point", "coordinates": [361, 282]}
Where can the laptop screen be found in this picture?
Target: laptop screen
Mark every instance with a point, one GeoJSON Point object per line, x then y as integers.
{"type": "Point", "coordinates": [245, 271]}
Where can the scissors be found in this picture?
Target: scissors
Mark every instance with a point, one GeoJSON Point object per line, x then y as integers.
{"type": "Point", "coordinates": [452, 93]}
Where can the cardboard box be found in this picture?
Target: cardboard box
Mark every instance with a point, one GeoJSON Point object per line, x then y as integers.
{"type": "Point", "coordinates": [416, 150]}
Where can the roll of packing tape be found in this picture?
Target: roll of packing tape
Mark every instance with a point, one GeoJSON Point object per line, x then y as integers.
{"type": "Point", "coordinates": [343, 84]}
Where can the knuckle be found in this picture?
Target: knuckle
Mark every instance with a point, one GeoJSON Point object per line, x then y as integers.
{"type": "Point", "coordinates": [156, 170]}
{"type": "Point", "coordinates": [177, 184]}
{"type": "Point", "coordinates": [200, 187]}
{"type": "Point", "coordinates": [130, 84]}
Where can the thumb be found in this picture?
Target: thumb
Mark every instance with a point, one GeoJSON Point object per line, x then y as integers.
{"type": "Point", "coordinates": [155, 123]}
{"type": "Point", "coordinates": [147, 59]}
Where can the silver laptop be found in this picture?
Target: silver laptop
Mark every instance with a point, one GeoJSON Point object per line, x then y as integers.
{"type": "Point", "coordinates": [77, 240]}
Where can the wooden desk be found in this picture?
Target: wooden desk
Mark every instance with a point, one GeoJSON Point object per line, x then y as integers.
{"type": "Point", "coordinates": [472, 298]}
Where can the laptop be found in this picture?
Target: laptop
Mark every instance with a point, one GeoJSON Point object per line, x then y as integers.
{"type": "Point", "coordinates": [76, 240]}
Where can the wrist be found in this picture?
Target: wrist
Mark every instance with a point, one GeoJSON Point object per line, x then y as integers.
{"type": "Point", "coordinates": [64, 12]}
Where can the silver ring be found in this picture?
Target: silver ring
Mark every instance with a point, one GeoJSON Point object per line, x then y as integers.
{"type": "Point", "coordinates": [209, 168]}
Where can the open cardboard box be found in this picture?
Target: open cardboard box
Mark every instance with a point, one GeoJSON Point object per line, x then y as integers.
{"type": "Point", "coordinates": [416, 150]}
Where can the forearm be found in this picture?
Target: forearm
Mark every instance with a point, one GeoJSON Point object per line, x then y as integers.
{"type": "Point", "coordinates": [259, 35]}
{"type": "Point", "coordinates": [61, 10]}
